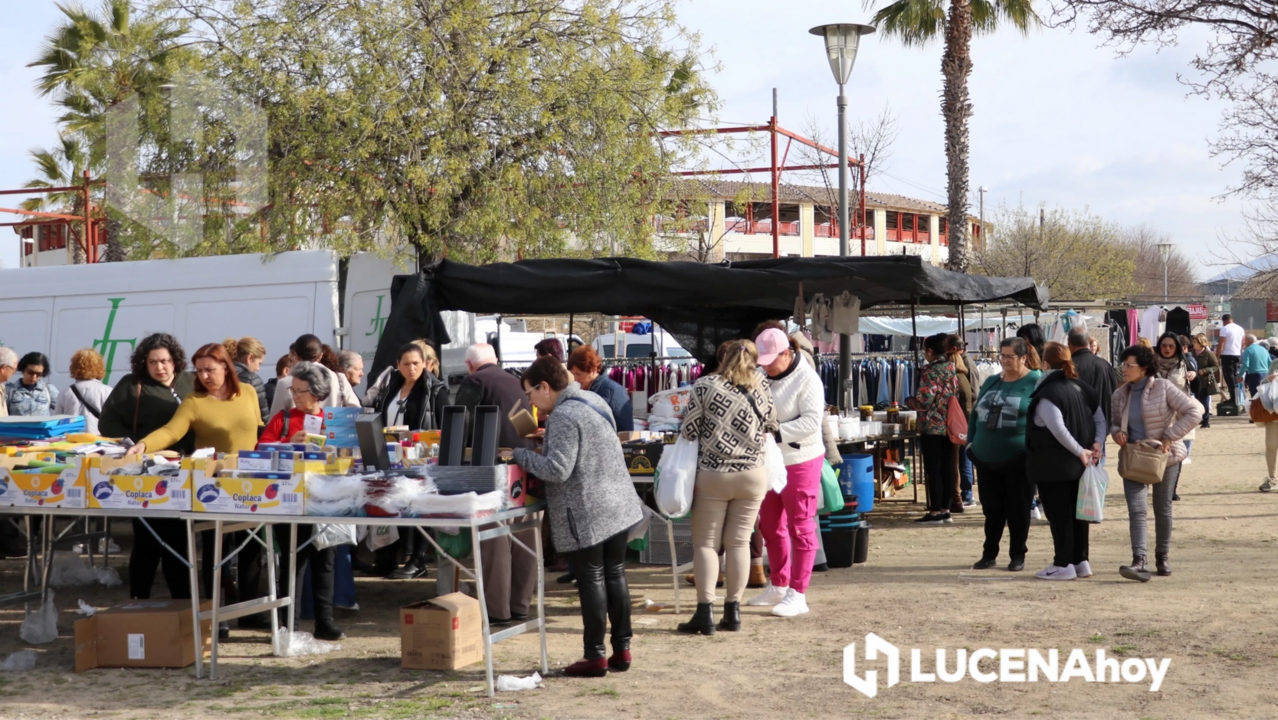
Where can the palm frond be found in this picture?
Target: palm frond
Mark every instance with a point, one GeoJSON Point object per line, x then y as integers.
{"type": "Point", "coordinates": [988, 15]}
{"type": "Point", "coordinates": [913, 22]}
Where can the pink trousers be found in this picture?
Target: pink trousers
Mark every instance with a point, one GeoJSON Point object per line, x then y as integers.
{"type": "Point", "coordinates": [788, 530]}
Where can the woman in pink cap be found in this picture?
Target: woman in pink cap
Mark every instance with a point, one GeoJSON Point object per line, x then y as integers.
{"type": "Point", "coordinates": [786, 519]}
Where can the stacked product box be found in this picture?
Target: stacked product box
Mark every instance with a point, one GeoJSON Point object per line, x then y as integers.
{"type": "Point", "coordinates": [151, 493]}
{"type": "Point", "coordinates": [339, 427]}
{"type": "Point", "coordinates": [222, 487]}
{"type": "Point", "coordinates": [64, 488]}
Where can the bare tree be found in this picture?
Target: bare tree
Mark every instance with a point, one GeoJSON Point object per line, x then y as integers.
{"type": "Point", "coordinates": [1181, 279]}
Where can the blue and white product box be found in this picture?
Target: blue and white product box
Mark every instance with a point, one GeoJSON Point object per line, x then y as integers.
{"type": "Point", "coordinates": [256, 461]}
{"type": "Point", "coordinates": [271, 476]}
{"type": "Point", "coordinates": [284, 460]}
{"type": "Point", "coordinates": [308, 456]}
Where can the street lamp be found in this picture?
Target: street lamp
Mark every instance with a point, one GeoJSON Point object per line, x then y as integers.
{"type": "Point", "coordinates": [841, 43]}
{"type": "Point", "coordinates": [984, 238]}
{"type": "Point", "coordinates": [1165, 250]}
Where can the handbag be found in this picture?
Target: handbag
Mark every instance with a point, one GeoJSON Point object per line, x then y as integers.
{"type": "Point", "coordinates": [955, 422]}
{"type": "Point", "coordinates": [831, 499]}
{"type": "Point", "coordinates": [1139, 461]}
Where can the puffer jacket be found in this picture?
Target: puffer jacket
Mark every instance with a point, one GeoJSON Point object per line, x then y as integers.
{"type": "Point", "coordinates": [829, 435]}
{"type": "Point", "coordinates": [589, 493]}
{"type": "Point", "coordinates": [251, 378]}
{"type": "Point", "coordinates": [35, 401]}
{"type": "Point", "coordinates": [1169, 412]}
{"type": "Point", "coordinates": [799, 398]}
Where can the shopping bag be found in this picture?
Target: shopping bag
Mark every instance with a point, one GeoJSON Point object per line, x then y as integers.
{"type": "Point", "coordinates": [457, 546]}
{"type": "Point", "coordinates": [1091, 494]}
{"type": "Point", "coordinates": [675, 477]}
{"type": "Point", "coordinates": [637, 535]}
{"type": "Point", "coordinates": [381, 536]}
{"type": "Point", "coordinates": [831, 499]}
{"type": "Point", "coordinates": [775, 463]}
{"type": "Point", "coordinates": [955, 422]}
{"type": "Point", "coordinates": [333, 534]}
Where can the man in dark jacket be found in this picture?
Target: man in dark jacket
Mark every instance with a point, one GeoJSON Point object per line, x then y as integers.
{"type": "Point", "coordinates": [510, 572]}
{"type": "Point", "coordinates": [1093, 371]}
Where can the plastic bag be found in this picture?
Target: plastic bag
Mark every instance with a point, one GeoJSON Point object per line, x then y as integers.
{"type": "Point", "coordinates": [675, 478]}
{"type": "Point", "coordinates": [773, 460]}
{"type": "Point", "coordinates": [334, 534]}
{"type": "Point", "coordinates": [381, 536]}
{"type": "Point", "coordinates": [41, 626]}
{"type": "Point", "coordinates": [456, 545]}
{"type": "Point", "coordinates": [19, 662]}
{"type": "Point", "coordinates": [670, 403]}
{"type": "Point", "coordinates": [637, 535]}
{"type": "Point", "coordinates": [72, 570]}
{"type": "Point", "coordinates": [831, 499]}
{"type": "Point", "coordinates": [464, 505]}
{"type": "Point", "coordinates": [303, 643]}
{"type": "Point", "coordinates": [1091, 494]}
{"type": "Point", "coordinates": [510, 683]}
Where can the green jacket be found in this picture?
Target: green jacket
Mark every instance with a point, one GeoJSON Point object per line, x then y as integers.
{"type": "Point", "coordinates": [133, 414]}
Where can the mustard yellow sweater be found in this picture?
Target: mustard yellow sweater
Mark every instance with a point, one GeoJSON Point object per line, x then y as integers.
{"type": "Point", "coordinates": [224, 425]}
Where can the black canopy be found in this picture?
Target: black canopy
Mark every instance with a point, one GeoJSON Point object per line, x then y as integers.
{"type": "Point", "coordinates": [701, 304]}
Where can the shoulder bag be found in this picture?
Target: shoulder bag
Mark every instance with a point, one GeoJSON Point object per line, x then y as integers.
{"type": "Point", "coordinates": [1138, 461]}
{"type": "Point", "coordinates": [87, 405]}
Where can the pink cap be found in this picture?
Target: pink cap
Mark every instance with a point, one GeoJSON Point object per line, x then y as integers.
{"type": "Point", "coordinates": [771, 343]}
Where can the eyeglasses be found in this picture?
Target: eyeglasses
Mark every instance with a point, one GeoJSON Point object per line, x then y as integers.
{"type": "Point", "coordinates": [32, 373]}
{"type": "Point", "coordinates": [1008, 358]}
{"type": "Point", "coordinates": [299, 391]}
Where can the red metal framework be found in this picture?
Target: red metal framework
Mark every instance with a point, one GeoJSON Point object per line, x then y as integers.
{"type": "Point", "coordinates": [776, 167]}
{"type": "Point", "coordinates": [92, 229]}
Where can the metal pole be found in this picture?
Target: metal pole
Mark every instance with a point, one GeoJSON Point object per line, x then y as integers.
{"type": "Point", "coordinates": [845, 341]}
{"type": "Point", "coordinates": [776, 182]}
{"type": "Point", "coordinates": [983, 237]}
{"type": "Point", "coordinates": [1164, 278]}
{"type": "Point", "coordinates": [914, 342]}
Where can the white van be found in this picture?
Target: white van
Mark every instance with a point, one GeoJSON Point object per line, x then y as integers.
{"type": "Point", "coordinates": [640, 346]}
{"type": "Point", "coordinates": [112, 306]}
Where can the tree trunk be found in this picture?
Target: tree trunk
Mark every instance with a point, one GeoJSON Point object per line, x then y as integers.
{"type": "Point", "coordinates": [956, 108]}
{"type": "Point", "coordinates": [115, 251]}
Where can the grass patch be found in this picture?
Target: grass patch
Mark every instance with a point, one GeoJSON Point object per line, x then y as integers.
{"type": "Point", "coordinates": [600, 692]}
{"type": "Point", "coordinates": [1230, 655]}
{"type": "Point", "coordinates": [1133, 633]}
{"type": "Point", "coordinates": [1122, 649]}
{"type": "Point", "coordinates": [403, 709]}
{"type": "Point", "coordinates": [1097, 638]}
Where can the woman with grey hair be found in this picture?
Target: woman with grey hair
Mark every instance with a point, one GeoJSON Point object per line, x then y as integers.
{"type": "Point", "coordinates": [8, 366]}
{"type": "Point", "coordinates": [310, 384]}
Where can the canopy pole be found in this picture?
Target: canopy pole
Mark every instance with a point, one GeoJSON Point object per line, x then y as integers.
{"type": "Point", "coordinates": [980, 337]}
{"type": "Point", "coordinates": [914, 342]}
{"type": "Point", "coordinates": [572, 323]}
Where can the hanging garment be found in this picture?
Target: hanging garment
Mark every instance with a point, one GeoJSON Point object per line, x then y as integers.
{"type": "Point", "coordinates": [1151, 323]}
{"type": "Point", "coordinates": [800, 311]}
{"type": "Point", "coordinates": [1133, 326]}
{"type": "Point", "coordinates": [845, 315]}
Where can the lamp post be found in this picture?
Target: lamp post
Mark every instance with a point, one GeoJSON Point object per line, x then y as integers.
{"type": "Point", "coordinates": [1165, 250]}
{"type": "Point", "coordinates": [984, 238]}
{"type": "Point", "coordinates": [841, 43]}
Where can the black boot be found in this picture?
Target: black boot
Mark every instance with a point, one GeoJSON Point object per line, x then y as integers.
{"type": "Point", "coordinates": [1163, 564]}
{"type": "Point", "coordinates": [1138, 570]}
{"type": "Point", "coordinates": [702, 622]}
{"type": "Point", "coordinates": [731, 620]}
{"type": "Point", "coordinates": [326, 630]}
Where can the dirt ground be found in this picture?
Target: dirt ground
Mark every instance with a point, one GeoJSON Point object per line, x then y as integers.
{"type": "Point", "coordinates": [1214, 618]}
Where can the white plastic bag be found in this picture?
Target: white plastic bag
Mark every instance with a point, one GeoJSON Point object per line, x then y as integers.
{"type": "Point", "coordinates": [1091, 494]}
{"type": "Point", "coordinates": [72, 570]}
{"type": "Point", "coordinates": [676, 476]}
{"type": "Point", "coordinates": [20, 661]}
{"type": "Point", "coordinates": [41, 626]}
{"type": "Point", "coordinates": [1268, 395]}
{"type": "Point", "coordinates": [510, 683]}
{"type": "Point", "coordinates": [775, 464]}
{"type": "Point", "coordinates": [381, 535]}
{"type": "Point", "coordinates": [640, 528]}
{"type": "Point", "coordinates": [670, 403]}
{"type": "Point", "coordinates": [303, 643]}
{"type": "Point", "coordinates": [334, 534]}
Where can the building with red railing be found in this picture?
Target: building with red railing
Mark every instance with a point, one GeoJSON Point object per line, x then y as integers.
{"type": "Point", "coordinates": [733, 220]}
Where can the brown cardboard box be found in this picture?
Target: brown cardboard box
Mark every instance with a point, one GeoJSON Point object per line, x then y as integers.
{"type": "Point", "coordinates": [441, 634]}
{"type": "Point", "coordinates": [523, 422]}
{"type": "Point", "coordinates": [642, 457]}
{"type": "Point", "coordinates": [140, 633]}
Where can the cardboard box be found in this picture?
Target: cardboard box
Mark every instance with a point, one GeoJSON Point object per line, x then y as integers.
{"type": "Point", "coordinates": [441, 634]}
{"type": "Point", "coordinates": [57, 490]}
{"type": "Point", "coordinates": [523, 421]}
{"type": "Point", "coordinates": [141, 633]}
{"type": "Point", "coordinates": [257, 460]}
{"type": "Point", "coordinates": [136, 492]}
{"type": "Point", "coordinates": [642, 458]}
{"type": "Point", "coordinates": [262, 496]}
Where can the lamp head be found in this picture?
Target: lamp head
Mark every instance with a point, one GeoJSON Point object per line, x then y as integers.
{"type": "Point", "coordinates": [1165, 249]}
{"type": "Point", "coordinates": [841, 41]}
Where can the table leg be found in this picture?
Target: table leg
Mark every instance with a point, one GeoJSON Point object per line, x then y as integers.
{"type": "Point", "coordinates": [483, 612]}
{"type": "Point", "coordinates": [271, 594]}
{"type": "Point", "coordinates": [47, 527]}
{"type": "Point", "coordinates": [216, 594]}
{"type": "Point", "coordinates": [292, 575]}
{"type": "Point", "coordinates": [674, 563]}
{"type": "Point", "coordinates": [30, 573]}
{"type": "Point", "coordinates": [194, 573]}
{"type": "Point", "coordinates": [541, 599]}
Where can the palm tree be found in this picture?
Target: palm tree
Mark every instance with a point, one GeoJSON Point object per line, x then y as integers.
{"type": "Point", "coordinates": [92, 61]}
{"type": "Point", "coordinates": [61, 167]}
{"type": "Point", "coordinates": [917, 22]}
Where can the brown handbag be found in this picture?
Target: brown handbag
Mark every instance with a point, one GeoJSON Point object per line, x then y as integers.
{"type": "Point", "coordinates": [1139, 461]}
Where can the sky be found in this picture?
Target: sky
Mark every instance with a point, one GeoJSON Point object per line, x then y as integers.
{"type": "Point", "coordinates": [1057, 118]}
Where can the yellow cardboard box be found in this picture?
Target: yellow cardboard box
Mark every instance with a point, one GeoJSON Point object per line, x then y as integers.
{"type": "Point", "coordinates": [285, 495]}
{"type": "Point", "coordinates": [137, 492]}
{"type": "Point", "coordinates": [56, 490]}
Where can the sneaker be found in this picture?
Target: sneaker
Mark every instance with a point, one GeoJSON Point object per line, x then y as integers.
{"type": "Point", "coordinates": [1083, 570]}
{"type": "Point", "coordinates": [1187, 461]}
{"type": "Point", "coordinates": [78, 548]}
{"type": "Point", "coordinates": [771, 596]}
{"type": "Point", "coordinates": [945, 518]}
{"type": "Point", "coordinates": [930, 519]}
{"type": "Point", "coordinates": [795, 603]}
{"type": "Point", "coordinates": [1036, 513]}
{"type": "Point", "coordinates": [1267, 485]}
{"type": "Point", "coordinates": [1052, 572]}
{"type": "Point", "coordinates": [103, 546]}
{"type": "Point", "coordinates": [969, 502]}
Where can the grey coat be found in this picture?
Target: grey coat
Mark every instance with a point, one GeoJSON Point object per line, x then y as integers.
{"type": "Point", "coordinates": [588, 487]}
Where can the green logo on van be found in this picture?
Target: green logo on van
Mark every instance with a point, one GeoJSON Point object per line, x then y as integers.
{"type": "Point", "coordinates": [107, 345]}
{"type": "Point", "coordinates": [378, 322]}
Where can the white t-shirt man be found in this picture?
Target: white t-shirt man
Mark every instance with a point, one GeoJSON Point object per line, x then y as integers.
{"type": "Point", "coordinates": [1231, 339]}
